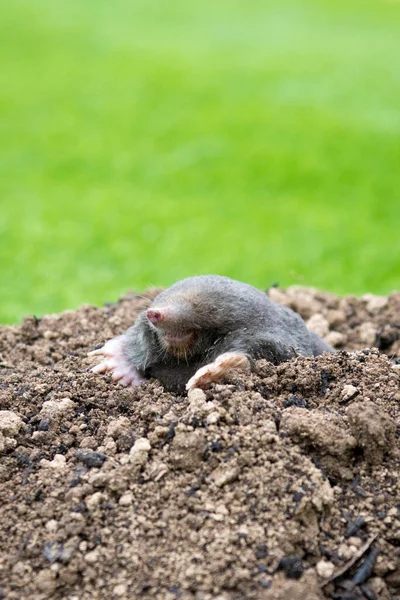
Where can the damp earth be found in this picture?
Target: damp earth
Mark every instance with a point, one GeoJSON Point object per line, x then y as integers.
{"type": "Point", "coordinates": [278, 485]}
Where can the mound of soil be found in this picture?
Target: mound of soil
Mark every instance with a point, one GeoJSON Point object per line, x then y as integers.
{"type": "Point", "coordinates": [279, 485]}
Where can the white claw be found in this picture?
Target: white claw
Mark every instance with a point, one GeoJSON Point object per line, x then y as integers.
{"type": "Point", "coordinates": [117, 375]}
{"type": "Point", "coordinates": [218, 370]}
{"type": "Point", "coordinates": [116, 362]}
{"type": "Point", "coordinates": [94, 352]}
{"type": "Point", "coordinates": [100, 368]}
{"type": "Point", "coordinates": [111, 348]}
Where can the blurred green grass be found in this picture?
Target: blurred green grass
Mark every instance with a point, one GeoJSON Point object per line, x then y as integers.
{"type": "Point", "coordinates": [142, 142]}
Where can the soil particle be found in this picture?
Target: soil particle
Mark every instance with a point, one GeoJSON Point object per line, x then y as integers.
{"type": "Point", "coordinates": [306, 588]}
{"type": "Point", "coordinates": [228, 493]}
{"type": "Point", "coordinates": [10, 423]}
{"type": "Point", "coordinates": [318, 324]}
{"type": "Point", "coordinates": [323, 435]}
{"type": "Point", "coordinates": [118, 427]}
{"type": "Point", "coordinates": [373, 430]}
{"type": "Point", "coordinates": [292, 566]}
{"type": "Point", "coordinates": [140, 452]}
{"type": "Point", "coordinates": [90, 458]}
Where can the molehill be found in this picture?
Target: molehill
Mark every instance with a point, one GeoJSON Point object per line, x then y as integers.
{"type": "Point", "coordinates": [279, 485]}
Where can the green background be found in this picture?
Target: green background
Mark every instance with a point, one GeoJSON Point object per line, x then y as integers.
{"type": "Point", "coordinates": [143, 141]}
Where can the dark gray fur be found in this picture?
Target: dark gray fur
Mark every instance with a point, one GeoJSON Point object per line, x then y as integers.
{"type": "Point", "coordinates": [228, 316]}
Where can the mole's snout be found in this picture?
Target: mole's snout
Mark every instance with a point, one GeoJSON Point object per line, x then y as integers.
{"type": "Point", "coordinates": [154, 316]}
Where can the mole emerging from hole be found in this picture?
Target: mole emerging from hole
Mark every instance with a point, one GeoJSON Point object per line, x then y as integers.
{"type": "Point", "coordinates": [199, 329]}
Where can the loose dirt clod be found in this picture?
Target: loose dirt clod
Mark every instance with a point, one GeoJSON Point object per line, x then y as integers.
{"type": "Point", "coordinates": [278, 485]}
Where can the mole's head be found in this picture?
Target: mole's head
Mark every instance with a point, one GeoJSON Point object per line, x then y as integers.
{"type": "Point", "coordinates": [175, 327]}
{"type": "Point", "coordinates": [183, 321]}
{"type": "Point", "coordinates": [192, 314]}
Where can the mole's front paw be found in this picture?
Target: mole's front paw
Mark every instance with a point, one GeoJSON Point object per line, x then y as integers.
{"type": "Point", "coordinates": [218, 370]}
{"type": "Point", "coordinates": [116, 362]}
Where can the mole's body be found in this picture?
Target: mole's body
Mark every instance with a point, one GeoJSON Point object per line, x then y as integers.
{"type": "Point", "coordinates": [201, 327]}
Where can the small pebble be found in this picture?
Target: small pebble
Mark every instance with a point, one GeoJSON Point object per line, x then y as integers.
{"type": "Point", "coordinates": [88, 442]}
{"type": "Point", "coordinates": [336, 317]}
{"type": "Point", "coordinates": [53, 551]}
{"type": "Point", "coordinates": [51, 526]}
{"type": "Point", "coordinates": [325, 569]}
{"type": "Point", "coordinates": [57, 408]}
{"type": "Point", "coordinates": [318, 324]}
{"type": "Point", "coordinates": [45, 580]}
{"type": "Point", "coordinates": [10, 423]}
{"type": "Point", "coordinates": [224, 475]}
{"type": "Point", "coordinates": [348, 392]}
{"type": "Point", "coordinates": [212, 418]}
{"type": "Point", "coordinates": [196, 396]}
{"type": "Point", "coordinates": [335, 339]}
{"type": "Point", "coordinates": [118, 427]}
{"type": "Point", "coordinates": [120, 590]}
{"type": "Point", "coordinates": [367, 333]}
{"type": "Point", "coordinates": [59, 462]}
{"type": "Point", "coordinates": [94, 500]}
{"type": "Point", "coordinates": [92, 557]}
{"type": "Point", "coordinates": [139, 452]}
{"type": "Point", "coordinates": [375, 303]}
{"type": "Point", "coordinates": [292, 566]}
{"type": "Point", "coordinates": [126, 499]}
{"type": "Point", "coordinates": [90, 458]}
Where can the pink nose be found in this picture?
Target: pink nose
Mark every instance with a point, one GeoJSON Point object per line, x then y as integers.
{"type": "Point", "coordinates": [154, 316]}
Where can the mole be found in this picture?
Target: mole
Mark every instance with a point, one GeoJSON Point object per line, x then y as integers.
{"type": "Point", "coordinates": [199, 329]}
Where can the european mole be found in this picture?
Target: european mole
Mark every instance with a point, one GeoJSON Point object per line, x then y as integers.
{"type": "Point", "coordinates": [199, 328]}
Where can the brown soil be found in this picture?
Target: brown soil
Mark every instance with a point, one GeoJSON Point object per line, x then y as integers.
{"type": "Point", "coordinates": [281, 485]}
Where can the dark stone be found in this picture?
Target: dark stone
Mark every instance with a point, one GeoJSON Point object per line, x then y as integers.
{"type": "Point", "coordinates": [61, 449]}
{"type": "Point", "coordinates": [125, 442]}
{"type": "Point", "coordinates": [354, 526]}
{"type": "Point", "coordinates": [194, 488]}
{"type": "Point", "coordinates": [262, 551]}
{"type": "Point", "coordinates": [368, 592]}
{"type": "Point", "coordinates": [292, 566]}
{"type": "Point", "coordinates": [24, 461]}
{"type": "Point", "coordinates": [216, 446]}
{"type": "Point", "coordinates": [90, 458]}
{"type": "Point", "coordinates": [326, 378]}
{"type": "Point", "coordinates": [294, 401]}
{"type": "Point", "coordinates": [38, 495]}
{"type": "Point", "coordinates": [55, 551]}
{"type": "Point", "coordinates": [79, 508]}
{"type": "Point", "coordinates": [52, 551]}
{"type": "Point", "coordinates": [170, 433]}
{"type": "Point", "coordinates": [262, 389]}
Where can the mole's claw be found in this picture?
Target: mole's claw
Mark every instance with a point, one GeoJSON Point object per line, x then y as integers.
{"type": "Point", "coordinates": [101, 367]}
{"type": "Point", "coordinates": [132, 378]}
{"type": "Point", "coordinates": [116, 362]}
{"type": "Point", "coordinates": [218, 370]}
{"type": "Point", "coordinates": [110, 348]}
{"type": "Point", "coordinates": [117, 375]}
{"type": "Point", "coordinates": [94, 352]}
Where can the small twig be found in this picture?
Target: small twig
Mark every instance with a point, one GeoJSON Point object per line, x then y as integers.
{"type": "Point", "coordinates": [365, 569]}
{"type": "Point", "coordinates": [354, 526]}
{"type": "Point", "coordinates": [342, 570]}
